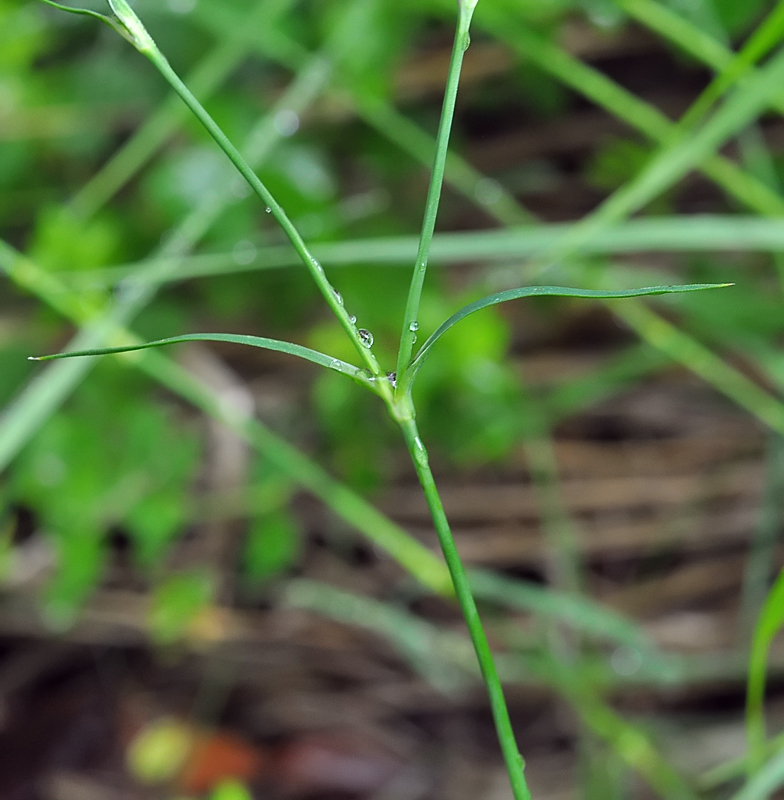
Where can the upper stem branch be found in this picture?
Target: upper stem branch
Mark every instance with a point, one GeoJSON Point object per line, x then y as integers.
{"type": "Point", "coordinates": [410, 321]}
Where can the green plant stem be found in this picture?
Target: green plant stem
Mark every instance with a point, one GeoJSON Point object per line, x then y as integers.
{"type": "Point", "coordinates": [329, 293]}
{"type": "Point", "coordinates": [762, 549]}
{"type": "Point", "coordinates": [769, 622]}
{"type": "Point", "coordinates": [699, 232]}
{"type": "Point", "coordinates": [503, 725]}
{"type": "Point", "coordinates": [400, 410]}
{"type": "Point", "coordinates": [410, 318]}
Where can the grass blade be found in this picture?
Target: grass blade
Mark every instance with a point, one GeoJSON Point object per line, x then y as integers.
{"type": "Point", "coordinates": [579, 612]}
{"type": "Point", "coordinates": [770, 620]}
{"type": "Point", "coordinates": [766, 780]}
{"type": "Point", "coordinates": [698, 232]}
{"type": "Point", "coordinates": [253, 341]}
{"type": "Point", "coordinates": [542, 291]}
{"type": "Point", "coordinates": [410, 317]}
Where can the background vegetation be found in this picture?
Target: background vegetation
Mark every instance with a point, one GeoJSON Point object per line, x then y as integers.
{"type": "Point", "coordinates": [614, 471]}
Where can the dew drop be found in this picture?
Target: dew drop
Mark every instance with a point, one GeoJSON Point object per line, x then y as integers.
{"type": "Point", "coordinates": [268, 210]}
{"type": "Point", "coordinates": [286, 122]}
{"type": "Point", "coordinates": [244, 253]}
{"type": "Point", "coordinates": [466, 42]}
{"type": "Point", "coordinates": [366, 337]}
{"type": "Point", "coordinates": [392, 378]}
{"type": "Point", "coordinates": [352, 319]}
{"type": "Point", "coordinates": [338, 296]}
{"type": "Point", "coordinates": [488, 192]}
{"type": "Point", "coordinates": [413, 327]}
{"type": "Point", "coordinates": [626, 660]}
{"type": "Point", "coordinates": [335, 364]}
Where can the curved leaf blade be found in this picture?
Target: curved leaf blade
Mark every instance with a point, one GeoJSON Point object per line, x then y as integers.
{"type": "Point", "coordinates": [289, 348]}
{"type": "Point", "coordinates": [543, 291]}
{"type": "Point", "coordinates": [86, 12]}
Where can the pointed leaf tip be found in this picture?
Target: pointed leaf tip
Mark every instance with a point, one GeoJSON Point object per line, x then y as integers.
{"type": "Point", "coordinates": [125, 22]}
{"type": "Point", "coordinates": [539, 291]}
{"type": "Point", "coordinates": [83, 11]}
{"type": "Point", "coordinates": [315, 357]}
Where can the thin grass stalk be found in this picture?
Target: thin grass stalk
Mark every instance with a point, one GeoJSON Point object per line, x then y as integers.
{"type": "Point", "coordinates": [402, 410]}
{"type": "Point", "coordinates": [762, 550]}
{"type": "Point", "coordinates": [410, 318]}
{"type": "Point", "coordinates": [514, 762]}
{"type": "Point", "coordinates": [714, 233]}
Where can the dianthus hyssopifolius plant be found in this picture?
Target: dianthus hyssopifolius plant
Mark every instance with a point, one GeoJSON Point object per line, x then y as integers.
{"type": "Point", "coordinates": [393, 387]}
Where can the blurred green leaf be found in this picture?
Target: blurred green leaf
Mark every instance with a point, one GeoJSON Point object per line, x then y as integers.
{"type": "Point", "coordinates": [111, 458]}
{"type": "Point", "coordinates": [273, 545]}
{"type": "Point", "coordinates": [60, 244]}
{"type": "Point", "coordinates": [231, 790]}
{"type": "Point", "coordinates": [176, 604]}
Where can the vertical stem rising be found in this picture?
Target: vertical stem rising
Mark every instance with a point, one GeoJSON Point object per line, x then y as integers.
{"type": "Point", "coordinates": [503, 725]}
{"type": "Point", "coordinates": [410, 322]}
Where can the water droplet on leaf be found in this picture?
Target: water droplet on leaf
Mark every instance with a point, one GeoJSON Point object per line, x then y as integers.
{"type": "Point", "coordinates": [352, 319]}
{"type": "Point", "coordinates": [338, 296]}
{"type": "Point", "coordinates": [413, 327]}
{"type": "Point", "coordinates": [392, 378]}
{"type": "Point", "coordinates": [366, 337]}
{"type": "Point", "coordinates": [268, 210]}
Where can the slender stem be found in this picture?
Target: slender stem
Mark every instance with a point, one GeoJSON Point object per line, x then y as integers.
{"type": "Point", "coordinates": [503, 725]}
{"type": "Point", "coordinates": [410, 321]}
{"type": "Point", "coordinates": [334, 301]}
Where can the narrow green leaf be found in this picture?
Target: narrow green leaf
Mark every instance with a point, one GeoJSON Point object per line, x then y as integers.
{"type": "Point", "coordinates": [580, 612]}
{"type": "Point", "coordinates": [254, 341]}
{"type": "Point", "coordinates": [770, 621]}
{"type": "Point", "coordinates": [540, 291]}
{"type": "Point", "coordinates": [765, 781]}
{"type": "Point", "coordinates": [87, 13]}
{"type": "Point", "coordinates": [698, 232]}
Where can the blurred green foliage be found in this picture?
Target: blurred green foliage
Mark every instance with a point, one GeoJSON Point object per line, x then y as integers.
{"type": "Point", "coordinates": [122, 460]}
{"type": "Point", "coordinates": [114, 458]}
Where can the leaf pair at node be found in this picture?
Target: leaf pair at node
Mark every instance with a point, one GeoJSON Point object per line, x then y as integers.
{"type": "Point", "coordinates": [405, 381]}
